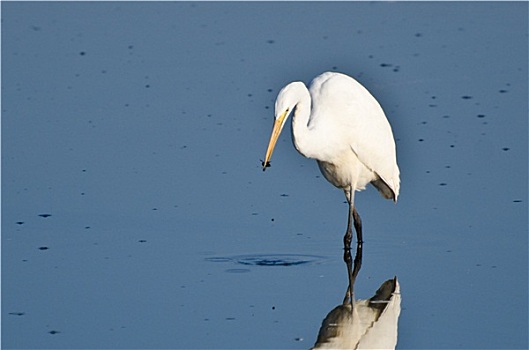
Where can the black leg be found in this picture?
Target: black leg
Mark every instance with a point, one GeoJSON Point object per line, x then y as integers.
{"type": "Point", "coordinates": [358, 226]}
{"type": "Point", "coordinates": [347, 239]}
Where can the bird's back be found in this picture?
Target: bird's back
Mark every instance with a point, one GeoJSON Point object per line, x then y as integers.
{"type": "Point", "coordinates": [354, 121]}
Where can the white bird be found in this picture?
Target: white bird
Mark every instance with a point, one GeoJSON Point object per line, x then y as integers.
{"type": "Point", "coordinates": [340, 124]}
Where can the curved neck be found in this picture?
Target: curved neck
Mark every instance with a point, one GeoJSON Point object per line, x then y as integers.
{"type": "Point", "coordinates": [301, 133]}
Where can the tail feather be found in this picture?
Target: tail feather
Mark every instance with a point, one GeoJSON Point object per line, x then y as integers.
{"type": "Point", "coordinates": [385, 190]}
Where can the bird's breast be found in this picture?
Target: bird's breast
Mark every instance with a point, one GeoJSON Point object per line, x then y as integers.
{"type": "Point", "coordinates": [346, 171]}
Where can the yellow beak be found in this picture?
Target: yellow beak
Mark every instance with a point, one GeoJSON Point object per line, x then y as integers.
{"type": "Point", "coordinates": [276, 130]}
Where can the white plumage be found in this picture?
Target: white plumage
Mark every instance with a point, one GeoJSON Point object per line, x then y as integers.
{"type": "Point", "coordinates": [340, 124]}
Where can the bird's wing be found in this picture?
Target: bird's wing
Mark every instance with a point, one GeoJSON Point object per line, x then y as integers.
{"type": "Point", "coordinates": [359, 123]}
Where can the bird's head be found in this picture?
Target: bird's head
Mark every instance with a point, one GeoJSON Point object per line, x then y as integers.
{"type": "Point", "coordinates": [286, 102]}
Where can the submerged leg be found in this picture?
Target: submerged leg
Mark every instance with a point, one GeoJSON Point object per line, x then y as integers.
{"type": "Point", "coordinates": [352, 272]}
{"type": "Point", "coordinates": [349, 263]}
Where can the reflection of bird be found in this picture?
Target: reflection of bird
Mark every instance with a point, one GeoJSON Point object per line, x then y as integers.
{"type": "Point", "coordinates": [341, 125]}
{"type": "Point", "coordinates": [364, 324]}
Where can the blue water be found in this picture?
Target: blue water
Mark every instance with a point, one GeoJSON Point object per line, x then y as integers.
{"type": "Point", "coordinates": [139, 128]}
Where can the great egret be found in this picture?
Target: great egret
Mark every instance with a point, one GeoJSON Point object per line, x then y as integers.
{"type": "Point", "coordinates": [341, 125]}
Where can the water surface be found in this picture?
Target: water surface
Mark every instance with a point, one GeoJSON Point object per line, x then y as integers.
{"type": "Point", "coordinates": [132, 134]}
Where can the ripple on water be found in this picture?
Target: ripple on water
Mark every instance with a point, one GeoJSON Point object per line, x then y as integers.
{"type": "Point", "coordinates": [270, 259]}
